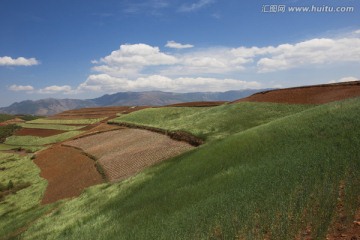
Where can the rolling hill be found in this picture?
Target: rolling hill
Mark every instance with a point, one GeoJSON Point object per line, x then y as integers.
{"type": "Point", "coordinates": [266, 170]}
{"type": "Point", "coordinates": [316, 94]}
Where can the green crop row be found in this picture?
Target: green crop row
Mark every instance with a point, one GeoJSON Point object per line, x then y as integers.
{"type": "Point", "coordinates": [38, 141]}
{"type": "Point", "coordinates": [4, 147]}
{"type": "Point", "coordinates": [66, 121]}
{"type": "Point", "coordinates": [50, 126]}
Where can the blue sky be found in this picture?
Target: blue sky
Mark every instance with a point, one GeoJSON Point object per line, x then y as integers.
{"type": "Point", "coordinates": [86, 48]}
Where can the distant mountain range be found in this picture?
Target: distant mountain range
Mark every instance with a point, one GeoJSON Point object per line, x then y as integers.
{"type": "Point", "coordinates": [52, 106]}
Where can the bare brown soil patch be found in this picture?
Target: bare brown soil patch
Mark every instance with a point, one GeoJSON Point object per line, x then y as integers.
{"type": "Point", "coordinates": [95, 112]}
{"type": "Point", "coordinates": [12, 121]}
{"type": "Point", "coordinates": [317, 94]}
{"type": "Point", "coordinates": [126, 152]}
{"type": "Point", "coordinates": [198, 104]}
{"type": "Point", "coordinates": [37, 132]}
{"type": "Point", "coordinates": [68, 172]}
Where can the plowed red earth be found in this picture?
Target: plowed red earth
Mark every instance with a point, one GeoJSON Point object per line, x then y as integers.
{"type": "Point", "coordinates": [37, 132]}
{"type": "Point", "coordinates": [68, 172]}
{"type": "Point", "coordinates": [95, 112]}
{"type": "Point", "coordinates": [317, 94]}
{"type": "Point", "coordinates": [198, 104]}
{"type": "Point", "coordinates": [126, 152]}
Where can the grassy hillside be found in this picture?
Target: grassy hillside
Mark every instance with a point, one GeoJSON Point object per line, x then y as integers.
{"type": "Point", "coordinates": [5, 117]}
{"type": "Point", "coordinates": [6, 131]}
{"type": "Point", "coordinates": [19, 205]}
{"type": "Point", "coordinates": [212, 122]}
{"type": "Point", "coordinates": [277, 179]}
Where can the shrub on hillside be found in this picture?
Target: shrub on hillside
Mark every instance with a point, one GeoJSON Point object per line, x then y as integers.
{"type": "Point", "coordinates": [7, 131]}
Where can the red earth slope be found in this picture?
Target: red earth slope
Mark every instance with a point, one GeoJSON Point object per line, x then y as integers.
{"type": "Point", "coordinates": [317, 94]}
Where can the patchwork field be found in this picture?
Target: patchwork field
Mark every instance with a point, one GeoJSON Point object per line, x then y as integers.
{"type": "Point", "coordinates": [266, 171]}
{"type": "Point", "coordinates": [283, 179]}
{"type": "Point", "coordinates": [125, 152]}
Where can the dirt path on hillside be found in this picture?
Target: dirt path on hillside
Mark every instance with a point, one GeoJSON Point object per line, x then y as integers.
{"type": "Point", "coordinates": [68, 172]}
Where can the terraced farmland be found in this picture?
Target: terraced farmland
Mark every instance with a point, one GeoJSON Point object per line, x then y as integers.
{"type": "Point", "coordinates": [101, 112]}
{"type": "Point", "coordinates": [266, 171]}
{"type": "Point", "coordinates": [126, 152]}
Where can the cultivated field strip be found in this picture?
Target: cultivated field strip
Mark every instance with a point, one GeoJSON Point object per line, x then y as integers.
{"type": "Point", "coordinates": [99, 112]}
{"type": "Point", "coordinates": [126, 152]}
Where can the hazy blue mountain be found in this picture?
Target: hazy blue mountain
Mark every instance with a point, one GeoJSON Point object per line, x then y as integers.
{"type": "Point", "coordinates": [52, 106]}
{"type": "Point", "coordinates": [47, 106]}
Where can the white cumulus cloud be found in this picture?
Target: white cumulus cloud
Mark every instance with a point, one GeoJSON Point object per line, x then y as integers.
{"type": "Point", "coordinates": [195, 6]}
{"type": "Point", "coordinates": [173, 44]}
{"type": "Point", "coordinates": [18, 88]}
{"type": "Point", "coordinates": [357, 31]}
{"type": "Point", "coordinates": [66, 89]}
{"type": "Point", "coordinates": [312, 52]}
{"type": "Point", "coordinates": [345, 79]}
{"type": "Point", "coordinates": [140, 66]}
{"type": "Point", "coordinates": [138, 54]}
{"type": "Point", "coordinates": [20, 61]}
{"type": "Point", "coordinates": [130, 59]}
{"type": "Point", "coordinates": [106, 83]}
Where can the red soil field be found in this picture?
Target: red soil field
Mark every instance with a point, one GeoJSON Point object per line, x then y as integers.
{"type": "Point", "coordinates": [198, 104]}
{"type": "Point", "coordinates": [95, 112]}
{"type": "Point", "coordinates": [68, 172]}
{"type": "Point", "coordinates": [317, 94]}
{"type": "Point", "coordinates": [125, 152]}
{"type": "Point", "coordinates": [37, 132]}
